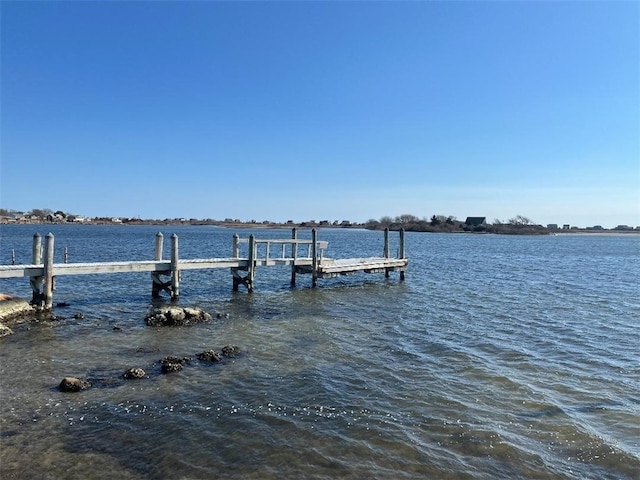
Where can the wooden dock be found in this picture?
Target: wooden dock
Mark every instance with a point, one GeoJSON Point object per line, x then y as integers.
{"type": "Point", "coordinates": [302, 256]}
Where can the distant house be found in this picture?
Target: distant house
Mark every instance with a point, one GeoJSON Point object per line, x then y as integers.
{"type": "Point", "coordinates": [475, 221]}
{"type": "Point", "coordinates": [566, 226]}
{"type": "Point", "coordinates": [552, 226]}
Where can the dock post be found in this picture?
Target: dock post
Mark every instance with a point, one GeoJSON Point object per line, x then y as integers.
{"type": "Point", "coordinates": [48, 285]}
{"type": "Point", "coordinates": [314, 258]}
{"type": "Point", "coordinates": [252, 263]}
{"type": "Point", "coordinates": [386, 242]}
{"type": "Point", "coordinates": [157, 284]}
{"type": "Point", "coordinates": [175, 272]}
{"type": "Point", "coordinates": [236, 246]}
{"type": "Point", "coordinates": [401, 251]}
{"type": "Point", "coordinates": [294, 254]}
{"type": "Point", "coordinates": [386, 249]}
{"type": "Point", "coordinates": [36, 259]}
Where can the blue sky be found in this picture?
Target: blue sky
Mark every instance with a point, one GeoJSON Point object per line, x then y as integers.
{"type": "Point", "coordinates": [323, 110]}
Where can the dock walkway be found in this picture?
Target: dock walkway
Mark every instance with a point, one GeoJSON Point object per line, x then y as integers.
{"type": "Point", "coordinates": [260, 253]}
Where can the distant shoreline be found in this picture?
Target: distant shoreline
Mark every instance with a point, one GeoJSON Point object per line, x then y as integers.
{"type": "Point", "coordinates": [503, 229]}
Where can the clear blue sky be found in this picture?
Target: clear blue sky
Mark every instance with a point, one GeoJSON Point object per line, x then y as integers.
{"type": "Point", "coordinates": [323, 110]}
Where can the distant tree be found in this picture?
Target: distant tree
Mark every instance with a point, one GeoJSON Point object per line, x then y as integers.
{"type": "Point", "coordinates": [61, 214]}
{"type": "Point", "coordinates": [4, 212]}
{"type": "Point", "coordinates": [406, 218]}
{"type": "Point", "coordinates": [497, 221]}
{"type": "Point", "coordinates": [520, 220]}
{"type": "Point", "coordinates": [40, 212]}
{"type": "Point", "coordinates": [386, 221]}
{"type": "Point", "coordinates": [435, 221]}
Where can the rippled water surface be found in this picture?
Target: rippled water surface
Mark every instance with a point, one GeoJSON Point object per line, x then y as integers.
{"type": "Point", "coordinates": [498, 357]}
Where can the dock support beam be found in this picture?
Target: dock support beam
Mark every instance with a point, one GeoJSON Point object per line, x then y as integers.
{"type": "Point", "coordinates": [294, 255]}
{"type": "Point", "coordinates": [386, 250]}
{"type": "Point", "coordinates": [175, 271]}
{"type": "Point", "coordinates": [314, 258]}
{"type": "Point", "coordinates": [49, 279]}
{"type": "Point", "coordinates": [157, 285]}
{"type": "Point", "coordinates": [401, 252]}
{"type": "Point", "coordinates": [36, 259]}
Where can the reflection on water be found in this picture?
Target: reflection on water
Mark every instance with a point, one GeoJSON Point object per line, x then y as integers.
{"type": "Point", "coordinates": [499, 357]}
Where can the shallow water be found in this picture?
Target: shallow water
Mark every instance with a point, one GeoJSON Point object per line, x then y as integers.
{"type": "Point", "coordinates": [498, 357]}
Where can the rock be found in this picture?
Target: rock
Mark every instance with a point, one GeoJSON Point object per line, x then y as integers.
{"type": "Point", "coordinates": [62, 304]}
{"type": "Point", "coordinates": [209, 356]}
{"type": "Point", "coordinates": [173, 364]}
{"type": "Point", "coordinates": [12, 307]}
{"type": "Point", "coordinates": [78, 315]}
{"type": "Point", "coordinates": [174, 316]}
{"type": "Point", "coordinates": [135, 373]}
{"type": "Point", "coordinates": [73, 384]}
{"type": "Point", "coordinates": [171, 367]}
{"type": "Point", "coordinates": [230, 350]}
{"type": "Point", "coordinates": [4, 330]}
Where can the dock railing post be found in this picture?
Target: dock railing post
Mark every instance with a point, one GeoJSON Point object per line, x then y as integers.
{"type": "Point", "coordinates": [156, 283]}
{"type": "Point", "coordinates": [294, 255]}
{"type": "Point", "coordinates": [386, 243]}
{"type": "Point", "coordinates": [235, 253]}
{"type": "Point", "coordinates": [386, 249]}
{"type": "Point", "coordinates": [252, 263]}
{"type": "Point", "coordinates": [314, 257]}
{"type": "Point", "coordinates": [401, 252]}
{"type": "Point", "coordinates": [175, 271]}
{"type": "Point", "coordinates": [48, 285]}
{"type": "Point", "coordinates": [36, 259]}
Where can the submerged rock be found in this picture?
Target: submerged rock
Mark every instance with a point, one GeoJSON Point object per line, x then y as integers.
{"type": "Point", "coordinates": [230, 350]}
{"type": "Point", "coordinates": [173, 364]}
{"type": "Point", "coordinates": [135, 373]}
{"type": "Point", "coordinates": [73, 384]}
{"type": "Point", "coordinates": [209, 356]}
{"type": "Point", "coordinates": [176, 316]}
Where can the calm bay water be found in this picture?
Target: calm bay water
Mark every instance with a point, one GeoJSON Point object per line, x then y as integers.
{"type": "Point", "coordinates": [498, 357]}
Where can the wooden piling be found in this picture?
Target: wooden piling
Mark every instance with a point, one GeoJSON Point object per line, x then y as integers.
{"type": "Point", "coordinates": [314, 258]}
{"type": "Point", "coordinates": [236, 246]}
{"type": "Point", "coordinates": [294, 255]}
{"type": "Point", "coordinates": [36, 259]}
{"type": "Point", "coordinates": [157, 285]}
{"type": "Point", "coordinates": [251, 274]}
{"type": "Point", "coordinates": [48, 286]}
{"type": "Point", "coordinates": [175, 271]}
{"type": "Point", "coordinates": [386, 250]}
{"type": "Point", "coordinates": [401, 252]}
{"type": "Point", "coordinates": [13, 256]}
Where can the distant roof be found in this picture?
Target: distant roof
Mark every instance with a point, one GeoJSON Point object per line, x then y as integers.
{"type": "Point", "coordinates": [475, 220]}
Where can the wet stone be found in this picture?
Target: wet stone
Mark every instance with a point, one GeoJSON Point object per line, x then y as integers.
{"type": "Point", "coordinates": [230, 350]}
{"type": "Point", "coordinates": [135, 373]}
{"type": "Point", "coordinates": [209, 356]}
{"type": "Point", "coordinates": [73, 384]}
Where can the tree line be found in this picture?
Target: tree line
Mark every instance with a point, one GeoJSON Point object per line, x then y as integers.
{"type": "Point", "coordinates": [450, 224]}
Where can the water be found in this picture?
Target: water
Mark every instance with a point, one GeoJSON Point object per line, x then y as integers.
{"type": "Point", "coordinates": [498, 357]}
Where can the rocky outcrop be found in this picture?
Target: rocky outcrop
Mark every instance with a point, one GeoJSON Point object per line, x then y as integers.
{"type": "Point", "coordinates": [4, 330]}
{"type": "Point", "coordinates": [73, 384]}
{"type": "Point", "coordinates": [176, 316]}
{"type": "Point", "coordinates": [12, 307]}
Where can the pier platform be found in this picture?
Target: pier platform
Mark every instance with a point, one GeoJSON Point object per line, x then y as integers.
{"type": "Point", "coordinates": [260, 253]}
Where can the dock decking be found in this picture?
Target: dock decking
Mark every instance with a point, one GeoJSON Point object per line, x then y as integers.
{"type": "Point", "coordinates": [42, 271]}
